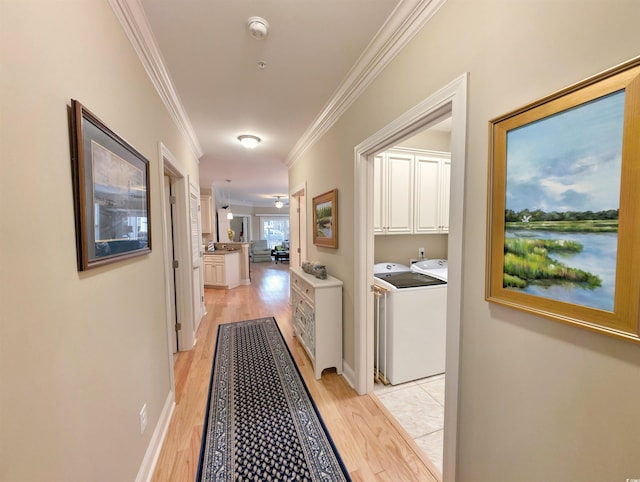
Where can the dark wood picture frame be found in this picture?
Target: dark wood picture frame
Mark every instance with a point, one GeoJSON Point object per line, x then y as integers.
{"type": "Point", "coordinates": [325, 219]}
{"type": "Point", "coordinates": [563, 204]}
{"type": "Point", "coordinates": [111, 193]}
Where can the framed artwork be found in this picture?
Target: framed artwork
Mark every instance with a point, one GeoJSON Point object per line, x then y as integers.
{"type": "Point", "coordinates": [325, 219]}
{"type": "Point", "coordinates": [563, 205]}
{"type": "Point", "coordinates": [111, 193]}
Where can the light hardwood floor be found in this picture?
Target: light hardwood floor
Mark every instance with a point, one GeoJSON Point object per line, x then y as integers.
{"type": "Point", "coordinates": [371, 443]}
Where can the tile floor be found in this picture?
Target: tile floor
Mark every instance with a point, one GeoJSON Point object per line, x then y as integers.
{"type": "Point", "coordinates": [419, 408]}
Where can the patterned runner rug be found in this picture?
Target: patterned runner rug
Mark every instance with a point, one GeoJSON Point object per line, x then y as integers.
{"type": "Point", "coordinates": [261, 422]}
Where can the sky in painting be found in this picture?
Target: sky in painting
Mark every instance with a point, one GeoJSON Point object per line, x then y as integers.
{"type": "Point", "coordinates": [568, 162]}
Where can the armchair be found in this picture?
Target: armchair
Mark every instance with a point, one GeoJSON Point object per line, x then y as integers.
{"type": "Point", "coordinates": [260, 251]}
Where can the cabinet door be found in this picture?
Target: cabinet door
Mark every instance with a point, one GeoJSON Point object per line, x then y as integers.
{"type": "Point", "coordinates": [445, 189]}
{"type": "Point", "coordinates": [399, 193]}
{"type": "Point", "coordinates": [209, 272]}
{"type": "Point", "coordinates": [221, 277]}
{"type": "Point", "coordinates": [214, 274]}
{"type": "Point", "coordinates": [379, 195]}
{"type": "Point", "coordinates": [427, 193]}
{"type": "Point", "coordinates": [205, 214]}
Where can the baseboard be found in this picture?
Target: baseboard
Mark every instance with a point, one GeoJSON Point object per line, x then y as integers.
{"type": "Point", "coordinates": [155, 444]}
{"type": "Point", "coordinates": [349, 374]}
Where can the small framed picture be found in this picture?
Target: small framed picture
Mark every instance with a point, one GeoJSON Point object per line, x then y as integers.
{"type": "Point", "coordinates": [325, 219]}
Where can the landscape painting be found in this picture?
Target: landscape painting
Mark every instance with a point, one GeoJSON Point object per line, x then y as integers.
{"type": "Point", "coordinates": [325, 219]}
{"type": "Point", "coordinates": [562, 204]}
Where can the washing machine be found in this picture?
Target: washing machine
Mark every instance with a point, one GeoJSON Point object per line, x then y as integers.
{"type": "Point", "coordinates": [410, 328]}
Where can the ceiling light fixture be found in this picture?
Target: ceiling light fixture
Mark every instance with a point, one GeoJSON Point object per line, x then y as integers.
{"type": "Point", "coordinates": [258, 27]}
{"type": "Point", "coordinates": [249, 141]}
{"type": "Point", "coordinates": [279, 203]}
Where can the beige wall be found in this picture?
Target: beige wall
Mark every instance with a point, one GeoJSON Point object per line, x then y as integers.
{"type": "Point", "coordinates": [80, 353]}
{"type": "Point", "coordinates": [538, 400]}
{"type": "Point", "coordinates": [401, 248]}
{"type": "Point", "coordinates": [429, 139]}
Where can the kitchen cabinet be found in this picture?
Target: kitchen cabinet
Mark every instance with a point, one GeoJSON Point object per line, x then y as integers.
{"type": "Point", "coordinates": [393, 193]}
{"type": "Point", "coordinates": [411, 191]}
{"type": "Point", "coordinates": [317, 318]}
{"type": "Point", "coordinates": [222, 270]}
{"type": "Point", "coordinates": [432, 180]}
{"type": "Point", "coordinates": [205, 214]}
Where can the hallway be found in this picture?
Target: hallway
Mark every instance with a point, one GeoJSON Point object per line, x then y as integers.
{"type": "Point", "coordinates": [370, 442]}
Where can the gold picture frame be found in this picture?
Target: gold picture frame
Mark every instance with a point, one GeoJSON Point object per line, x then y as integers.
{"type": "Point", "coordinates": [325, 219]}
{"type": "Point", "coordinates": [563, 205]}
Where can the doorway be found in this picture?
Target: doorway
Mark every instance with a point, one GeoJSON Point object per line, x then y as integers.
{"type": "Point", "coordinates": [452, 100]}
{"type": "Point", "coordinates": [180, 294]}
{"type": "Point", "coordinates": [410, 225]}
{"type": "Point", "coordinates": [241, 226]}
{"type": "Point", "coordinates": [298, 226]}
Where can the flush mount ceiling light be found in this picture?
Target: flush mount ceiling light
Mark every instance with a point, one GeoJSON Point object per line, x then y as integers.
{"type": "Point", "coordinates": [249, 141]}
{"type": "Point", "coordinates": [258, 27]}
{"type": "Point", "coordinates": [279, 203]}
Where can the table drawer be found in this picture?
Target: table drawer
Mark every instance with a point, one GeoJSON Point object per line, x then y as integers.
{"type": "Point", "coordinates": [304, 288]}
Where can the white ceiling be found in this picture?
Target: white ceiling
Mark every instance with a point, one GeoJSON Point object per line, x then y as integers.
{"type": "Point", "coordinates": [211, 59]}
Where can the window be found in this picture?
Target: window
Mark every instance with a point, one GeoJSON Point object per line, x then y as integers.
{"type": "Point", "coordinates": [275, 230]}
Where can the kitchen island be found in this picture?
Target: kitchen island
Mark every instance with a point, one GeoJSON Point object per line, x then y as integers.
{"type": "Point", "coordinates": [222, 269]}
{"type": "Point", "coordinates": [243, 248]}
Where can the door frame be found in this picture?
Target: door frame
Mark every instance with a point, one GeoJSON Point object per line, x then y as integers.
{"type": "Point", "coordinates": [451, 99]}
{"type": "Point", "coordinates": [169, 165]}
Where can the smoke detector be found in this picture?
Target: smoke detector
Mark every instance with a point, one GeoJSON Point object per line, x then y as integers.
{"type": "Point", "coordinates": [258, 27]}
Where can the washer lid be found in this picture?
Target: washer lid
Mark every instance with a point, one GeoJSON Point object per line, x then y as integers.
{"type": "Point", "coordinates": [431, 264]}
{"type": "Point", "coordinates": [440, 273]}
{"type": "Point", "coordinates": [389, 268]}
{"type": "Point", "coordinates": [409, 279]}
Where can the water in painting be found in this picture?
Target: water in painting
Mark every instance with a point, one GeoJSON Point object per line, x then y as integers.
{"type": "Point", "coordinates": [562, 204]}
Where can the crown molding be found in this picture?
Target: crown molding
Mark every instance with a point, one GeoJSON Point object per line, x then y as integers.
{"type": "Point", "coordinates": [407, 19]}
{"type": "Point", "coordinates": [134, 22]}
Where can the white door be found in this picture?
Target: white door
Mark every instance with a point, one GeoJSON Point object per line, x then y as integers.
{"type": "Point", "coordinates": [169, 223]}
{"type": "Point", "coordinates": [196, 257]}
